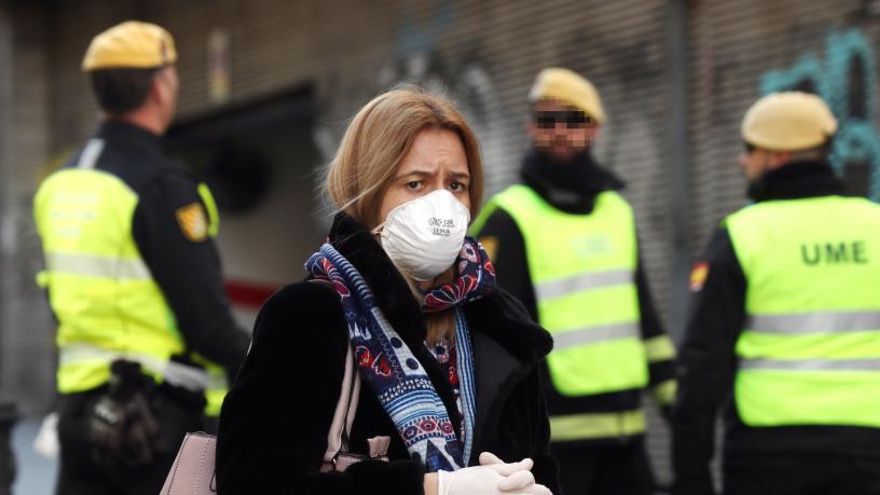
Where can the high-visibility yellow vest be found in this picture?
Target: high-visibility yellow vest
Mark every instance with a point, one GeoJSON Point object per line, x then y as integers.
{"type": "Point", "coordinates": [810, 350]}
{"type": "Point", "coordinates": [107, 304]}
{"type": "Point", "coordinates": [583, 271]}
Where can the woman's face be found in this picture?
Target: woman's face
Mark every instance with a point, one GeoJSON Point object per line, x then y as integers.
{"type": "Point", "coordinates": [436, 160]}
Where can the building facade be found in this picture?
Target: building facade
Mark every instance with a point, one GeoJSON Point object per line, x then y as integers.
{"type": "Point", "coordinates": [267, 87]}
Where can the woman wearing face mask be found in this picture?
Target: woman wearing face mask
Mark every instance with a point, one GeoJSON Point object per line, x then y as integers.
{"type": "Point", "coordinates": [447, 362]}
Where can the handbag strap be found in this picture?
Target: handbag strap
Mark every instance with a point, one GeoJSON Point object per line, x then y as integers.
{"type": "Point", "coordinates": [343, 416]}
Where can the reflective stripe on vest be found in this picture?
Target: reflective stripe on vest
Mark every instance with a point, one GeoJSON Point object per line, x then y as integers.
{"type": "Point", "coordinates": [596, 425]}
{"type": "Point", "coordinates": [811, 364]}
{"type": "Point", "coordinates": [810, 351]}
{"type": "Point", "coordinates": [97, 266]}
{"type": "Point", "coordinates": [582, 282]}
{"type": "Point", "coordinates": [588, 335]}
{"type": "Point", "coordinates": [839, 321]}
{"type": "Point", "coordinates": [582, 268]}
{"type": "Point", "coordinates": [177, 374]}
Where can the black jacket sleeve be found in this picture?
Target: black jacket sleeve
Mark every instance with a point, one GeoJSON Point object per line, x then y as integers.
{"type": "Point", "coordinates": [187, 271]}
{"type": "Point", "coordinates": [707, 364]}
{"type": "Point", "coordinates": [546, 469]}
{"type": "Point", "coordinates": [275, 419]}
{"type": "Point", "coordinates": [507, 249]}
{"type": "Point", "coordinates": [660, 349]}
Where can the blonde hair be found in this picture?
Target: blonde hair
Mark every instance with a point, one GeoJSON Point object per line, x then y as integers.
{"type": "Point", "coordinates": [372, 149]}
{"type": "Point", "coordinates": [377, 140]}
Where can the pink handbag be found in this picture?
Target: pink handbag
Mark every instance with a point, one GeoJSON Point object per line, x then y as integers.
{"type": "Point", "coordinates": [193, 470]}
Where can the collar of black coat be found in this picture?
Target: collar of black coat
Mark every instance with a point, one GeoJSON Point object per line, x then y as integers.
{"type": "Point", "coordinates": [569, 186]}
{"type": "Point", "coordinates": [117, 130]}
{"type": "Point", "coordinates": [498, 315]}
{"type": "Point", "coordinates": [805, 179]}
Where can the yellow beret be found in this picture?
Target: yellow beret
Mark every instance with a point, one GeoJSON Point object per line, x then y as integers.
{"type": "Point", "coordinates": [570, 88]}
{"type": "Point", "coordinates": [132, 44]}
{"type": "Point", "coordinates": [788, 121]}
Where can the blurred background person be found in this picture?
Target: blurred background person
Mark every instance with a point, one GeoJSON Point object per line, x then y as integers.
{"type": "Point", "coordinates": [786, 319]}
{"type": "Point", "coordinates": [449, 364]}
{"type": "Point", "coordinates": [133, 279]}
{"type": "Point", "coordinates": [565, 243]}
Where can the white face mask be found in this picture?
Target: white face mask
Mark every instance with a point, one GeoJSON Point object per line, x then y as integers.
{"type": "Point", "coordinates": [423, 236]}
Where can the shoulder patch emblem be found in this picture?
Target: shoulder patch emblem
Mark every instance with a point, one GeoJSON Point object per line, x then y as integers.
{"type": "Point", "coordinates": [490, 245]}
{"type": "Point", "coordinates": [698, 276]}
{"type": "Point", "coordinates": [193, 222]}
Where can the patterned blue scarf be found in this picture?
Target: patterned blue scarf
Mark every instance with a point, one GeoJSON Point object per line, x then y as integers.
{"type": "Point", "coordinates": [391, 370]}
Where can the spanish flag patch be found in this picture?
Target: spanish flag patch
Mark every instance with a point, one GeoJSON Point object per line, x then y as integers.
{"type": "Point", "coordinates": [699, 275]}
{"type": "Point", "coordinates": [193, 222]}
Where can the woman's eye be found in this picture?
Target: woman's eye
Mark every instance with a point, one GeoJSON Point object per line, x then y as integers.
{"type": "Point", "coordinates": [413, 184]}
{"type": "Point", "coordinates": [457, 186]}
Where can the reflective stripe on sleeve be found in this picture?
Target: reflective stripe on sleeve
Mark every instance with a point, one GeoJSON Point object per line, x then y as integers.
{"type": "Point", "coordinates": [664, 392]}
{"type": "Point", "coordinates": [582, 282]}
{"type": "Point", "coordinates": [659, 348]}
{"type": "Point", "coordinates": [596, 425]}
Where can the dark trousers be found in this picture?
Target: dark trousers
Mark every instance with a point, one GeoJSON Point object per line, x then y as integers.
{"type": "Point", "coordinates": [802, 474]}
{"type": "Point", "coordinates": [80, 475]}
{"type": "Point", "coordinates": [612, 469]}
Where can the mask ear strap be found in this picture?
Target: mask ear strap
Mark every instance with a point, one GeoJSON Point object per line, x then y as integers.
{"type": "Point", "coordinates": [378, 229]}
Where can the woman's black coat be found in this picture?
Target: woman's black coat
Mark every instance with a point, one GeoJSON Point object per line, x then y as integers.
{"type": "Point", "coordinates": [274, 422]}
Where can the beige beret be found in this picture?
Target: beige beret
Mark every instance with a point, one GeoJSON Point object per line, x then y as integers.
{"type": "Point", "coordinates": [570, 88]}
{"type": "Point", "coordinates": [132, 44]}
{"type": "Point", "coordinates": [788, 121]}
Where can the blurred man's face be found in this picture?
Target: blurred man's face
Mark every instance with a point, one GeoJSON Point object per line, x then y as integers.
{"type": "Point", "coordinates": [561, 130]}
{"type": "Point", "coordinates": [756, 162]}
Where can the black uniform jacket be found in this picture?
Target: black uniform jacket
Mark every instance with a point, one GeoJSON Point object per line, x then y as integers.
{"type": "Point", "coordinates": [572, 188]}
{"type": "Point", "coordinates": [708, 359]}
{"type": "Point", "coordinates": [187, 271]}
{"type": "Point", "coordinates": [274, 423]}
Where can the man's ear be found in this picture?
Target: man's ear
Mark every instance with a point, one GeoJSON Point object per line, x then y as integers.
{"type": "Point", "coordinates": [778, 158]}
{"type": "Point", "coordinates": [160, 88]}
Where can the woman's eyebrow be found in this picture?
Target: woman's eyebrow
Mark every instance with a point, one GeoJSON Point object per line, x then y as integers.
{"type": "Point", "coordinates": [416, 173]}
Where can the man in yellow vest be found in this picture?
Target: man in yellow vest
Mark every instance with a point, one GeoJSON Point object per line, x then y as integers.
{"type": "Point", "coordinates": [133, 278]}
{"type": "Point", "coordinates": [785, 323]}
{"type": "Point", "coordinates": [564, 242]}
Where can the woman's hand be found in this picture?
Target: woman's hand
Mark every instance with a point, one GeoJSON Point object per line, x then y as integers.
{"type": "Point", "coordinates": [492, 477]}
{"type": "Point", "coordinates": [520, 479]}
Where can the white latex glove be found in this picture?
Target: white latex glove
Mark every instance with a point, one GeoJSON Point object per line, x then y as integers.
{"type": "Point", "coordinates": [519, 478]}
{"type": "Point", "coordinates": [505, 468]}
{"type": "Point", "coordinates": [469, 481]}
